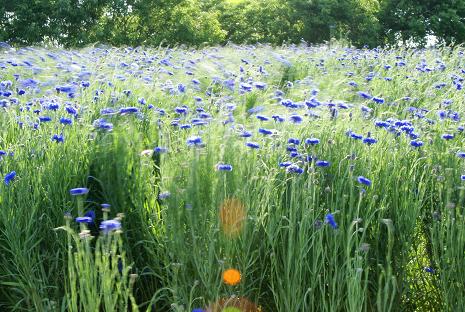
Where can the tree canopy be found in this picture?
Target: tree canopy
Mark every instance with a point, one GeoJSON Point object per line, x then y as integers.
{"type": "Point", "coordinates": [73, 23]}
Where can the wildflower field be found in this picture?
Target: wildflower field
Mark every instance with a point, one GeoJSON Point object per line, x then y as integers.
{"type": "Point", "coordinates": [237, 178]}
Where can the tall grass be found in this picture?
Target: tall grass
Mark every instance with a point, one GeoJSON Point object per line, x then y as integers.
{"type": "Point", "coordinates": [398, 245]}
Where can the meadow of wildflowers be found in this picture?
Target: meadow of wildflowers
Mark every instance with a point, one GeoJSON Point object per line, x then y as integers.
{"type": "Point", "coordinates": [237, 178]}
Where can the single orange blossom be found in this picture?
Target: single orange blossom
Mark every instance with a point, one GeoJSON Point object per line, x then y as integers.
{"type": "Point", "coordinates": [231, 277]}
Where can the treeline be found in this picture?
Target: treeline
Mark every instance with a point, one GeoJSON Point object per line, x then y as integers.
{"type": "Point", "coordinates": [74, 23]}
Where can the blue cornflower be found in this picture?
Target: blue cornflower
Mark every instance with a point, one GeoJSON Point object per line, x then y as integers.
{"type": "Point", "coordinates": [66, 89]}
{"type": "Point", "coordinates": [246, 87]}
{"type": "Point", "coordinates": [416, 143]}
{"type": "Point", "coordinates": [448, 136]}
{"type": "Point", "coordinates": [107, 111]}
{"type": "Point", "coordinates": [181, 110]}
{"type": "Point", "coordinates": [462, 177]}
{"type": "Point", "coordinates": [174, 122]}
{"type": "Point", "coordinates": [88, 218]}
{"type": "Point", "coordinates": [194, 141]}
{"type": "Point", "coordinates": [10, 177]}
{"type": "Point", "coordinates": [322, 163]}
{"type": "Point", "coordinates": [198, 310]}
{"type": "Point", "coordinates": [364, 181]}
{"type": "Point", "coordinates": [224, 167]}
{"type": "Point", "coordinates": [71, 110]}
{"type": "Point", "coordinates": [185, 126]}
{"type": "Point", "coordinates": [164, 195]}
{"type": "Point", "coordinates": [312, 141]}
{"type": "Point", "coordinates": [160, 149]}
{"type": "Point", "coordinates": [79, 191]}
{"type": "Point", "coordinates": [355, 136]}
{"type": "Point", "coordinates": [289, 103]}
{"type": "Point", "coordinates": [110, 225]}
{"type": "Point", "coordinates": [260, 85]}
{"type": "Point", "coordinates": [53, 106]}
{"type": "Point", "coordinates": [382, 124]}
{"type": "Point", "coordinates": [329, 218]}
{"type": "Point", "coordinates": [461, 154]}
{"type": "Point", "coordinates": [58, 138]}
{"type": "Point", "coordinates": [369, 140]}
{"type": "Point", "coordinates": [45, 118]}
{"type": "Point", "coordinates": [294, 169]}
{"type": "Point", "coordinates": [128, 110]}
{"type": "Point", "coordinates": [278, 118]}
{"type": "Point", "coordinates": [442, 114]}
{"type": "Point", "coordinates": [413, 135]}
{"type": "Point", "coordinates": [103, 124]}
{"type": "Point", "coordinates": [296, 119]}
{"type": "Point", "coordinates": [181, 88]}
{"type": "Point", "coordinates": [66, 121]}
{"type": "Point", "coordinates": [262, 118]}
{"type": "Point", "coordinates": [364, 95]}
{"type": "Point", "coordinates": [204, 115]}
{"type": "Point", "coordinates": [378, 100]}
{"type": "Point", "coordinates": [252, 145]}
{"type": "Point", "coordinates": [265, 131]}
{"type": "Point", "coordinates": [429, 270]}
{"type": "Point", "coordinates": [285, 164]}
{"type": "Point", "coordinates": [245, 134]}
{"type": "Point", "coordinates": [293, 141]}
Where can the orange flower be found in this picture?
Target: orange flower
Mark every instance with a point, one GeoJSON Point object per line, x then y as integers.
{"type": "Point", "coordinates": [231, 277]}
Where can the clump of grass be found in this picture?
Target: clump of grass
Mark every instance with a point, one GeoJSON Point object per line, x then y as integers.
{"type": "Point", "coordinates": [98, 276]}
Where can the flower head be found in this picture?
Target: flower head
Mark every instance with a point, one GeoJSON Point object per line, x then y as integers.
{"type": "Point", "coordinates": [322, 163]}
{"type": "Point", "coordinates": [224, 167]}
{"type": "Point", "coordinates": [329, 218]}
{"type": "Point", "coordinates": [160, 149]}
{"type": "Point", "coordinates": [448, 136]}
{"type": "Point", "coordinates": [364, 180]}
{"type": "Point", "coordinates": [252, 145]}
{"type": "Point", "coordinates": [312, 141]}
{"type": "Point", "coordinates": [194, 141]}
{"type": "Point", "coordinates": [293, 168]}
{"type": "Point", "coordinates": [88, 218]}
{"type": "Point", "coordinates": [110, 225]}
{"type": "Point", "coordinates": [10, 177]}
{"type": "Point", "coordinates": [79, 191]}
{"type": "Point", "coordinates": [231, 277]}
{"type": "Point", "coordinates": [265, 131]}
{"type": "Point", "coordinates": [164, 195]}
{"type": "Point", "coordinates": [128, 110]}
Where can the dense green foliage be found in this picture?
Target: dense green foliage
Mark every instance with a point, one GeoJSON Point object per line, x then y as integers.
{"type": "Point", "coordinates": [195, 22]}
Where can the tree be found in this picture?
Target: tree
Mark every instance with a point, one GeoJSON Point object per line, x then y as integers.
{"type": "Point", "coordinates": [415, 20]}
